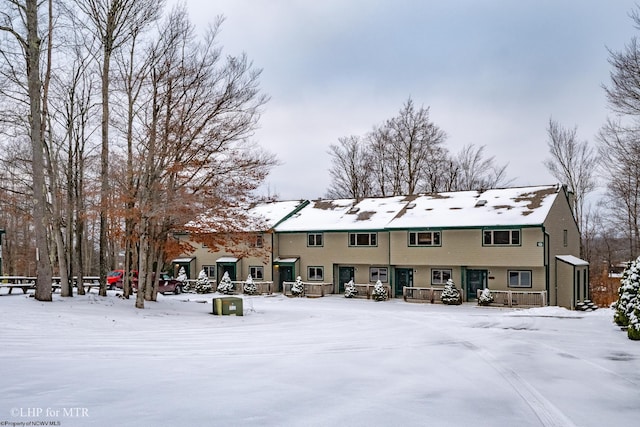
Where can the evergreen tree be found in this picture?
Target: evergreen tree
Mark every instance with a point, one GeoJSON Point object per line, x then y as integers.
{"type": "Point", "coordinates": [225, 286]}
{"type": "Point", "coordinates": [379, 292]}
{"type": "Point", "coordinates": [182, 275]}
{"type": "Point", "coordinates": [250, 288]}
{"type": "Point", "coordinates": [203, 285]}
{"type": "Point", "coordinates": [297, 289]}
{"type": "Point", "coordinates": [485, 297]}
{"type": "Point", "coordinates": [350, 290]}
{"type": "Point", "coordinates": [627, 294]}
{"type": "Point", "coordinates": [450, 294]}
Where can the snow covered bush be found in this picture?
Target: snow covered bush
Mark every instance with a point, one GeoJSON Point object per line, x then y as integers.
{"type": "Point", "coordinates": [297, 290]}
{"type": "Point", "coordinates": [350, 290]}
{"type": "Point", "coordinates": [627, 294]}
{"type": "Point", "coordinates": [203, 286]}
{"type": "Point", "coordinates": [450, 294]}
{"type": "Point", "coordinates": [182, 275]}
{"type": "Point", "coordinates": [250, 288]}
{"type": "Point", "coordinates": [379, 292]}
{"type": "Point", "coordinates": [485, 297]}
{"type": "Point", "coordinates": [225, 286]}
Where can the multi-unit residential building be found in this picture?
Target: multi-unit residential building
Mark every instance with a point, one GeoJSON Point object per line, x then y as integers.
{"type": "Point", "coordinates": [522, 238]}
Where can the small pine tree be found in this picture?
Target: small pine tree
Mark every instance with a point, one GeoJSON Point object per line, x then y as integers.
{"type": "Point", "coordinates": [627, 294]}
{"type": "Point", "coordinates": [297, 290]}
{"type": "Point", "coordinates": [203, 285]}
{"type": "Point", "coordinates": [182, 275]}
{"type": "Point", "coordinates": [633, 331]}
{"type": "Point", "coordinates": [225, 286]}
{"type": "Point", "coordinates": [379, 292]}
{"type": "Point", "coordinates": [350, 290]}
{"type": "Point", "coordinates": [250, 288]}
{"type": "Point", "coordinates": [450, 294]}
{"type": "Point", "coordinates": [485, 297]}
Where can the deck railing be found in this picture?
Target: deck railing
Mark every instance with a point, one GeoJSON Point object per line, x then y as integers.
{"type": "Point", "coordinates": [365, 290]}
{"type": "Point", "coordinates": [311, 289]}
{"type": "Point", "coordinates": [261, 287]}
{"type": "Point", "coordinates": [418, 294]}
{"type": "Point", "coordinates": [517, 298]}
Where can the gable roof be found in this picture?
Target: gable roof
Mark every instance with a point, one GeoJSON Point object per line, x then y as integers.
{"type": "Point", "coordinates": [258, 217]}
{"type": "Point", "coordinates": [344, 214]}
{"type": "Point", "coordinates": [496, 207]}
{"type": "Point", "coordinates": [522, 206]}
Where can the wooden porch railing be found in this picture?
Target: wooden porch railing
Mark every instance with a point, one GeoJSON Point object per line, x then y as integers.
{"type": "Point", "coordinates": [311, 289]}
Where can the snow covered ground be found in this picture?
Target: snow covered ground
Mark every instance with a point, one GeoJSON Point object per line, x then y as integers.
{"type": "Point", "coordinates": [93, 361]}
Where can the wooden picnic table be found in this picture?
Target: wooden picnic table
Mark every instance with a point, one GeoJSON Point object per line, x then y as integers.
{"type": "Point", "coordinates": [27, 283]}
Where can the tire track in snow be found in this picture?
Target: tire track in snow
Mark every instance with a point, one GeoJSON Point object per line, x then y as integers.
{"type": "Point", "coordinates": [546, 412]}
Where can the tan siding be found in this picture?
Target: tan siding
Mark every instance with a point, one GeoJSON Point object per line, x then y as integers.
{"type": "Point", "coordinates": [335, 251]}
{"type": "Point", "coordinates": [559, 219]}
{"type": "Point", "coordinates": [464, 248]}
{"type": "Point", "coordinates": [207, 256]}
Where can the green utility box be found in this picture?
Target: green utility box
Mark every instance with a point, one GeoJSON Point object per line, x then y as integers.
{"type": "Point", "coordinates": [227, 306]}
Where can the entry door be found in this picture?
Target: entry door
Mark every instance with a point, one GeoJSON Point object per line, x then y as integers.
{"type": "Point", "coordinates": [476, 279]}
{"type": "Point", "coordinates": [404, 277]}
{"type": "Point", "coordinates": [286, 275]}
{"type": "Point", "coordinates": [345, 274]}
{"type": "Point", "coordinates": [227, 268]}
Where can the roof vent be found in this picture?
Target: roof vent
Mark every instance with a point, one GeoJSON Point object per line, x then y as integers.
{"type": "Point", "coordinates": [480, 203]}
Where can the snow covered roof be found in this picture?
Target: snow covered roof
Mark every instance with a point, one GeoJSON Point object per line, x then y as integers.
{"type": "Point", "coordinates": [273, 212]}
{"type": "Point", "coordinates": [570, 259]}
{"type": "Point", "coordinates": [258, 217]}
{"type": "Point", "coordinates": [496, 207]}
{"type": "Point", "coordinates": [227, 259]}
{"type": "Point", "coordinates": [345, 214]}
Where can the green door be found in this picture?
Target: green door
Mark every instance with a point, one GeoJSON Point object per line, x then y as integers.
{"type": "Point", "coordinates": [476, 280]}
{"type": "Point", "coordinates": [345, 274]}
{"type": "Point", "coordinates": [286, 275]}
{"type": "Point", "coordinates": [404, 277]}
{"type": "Point", "coordinates": [227, 268]}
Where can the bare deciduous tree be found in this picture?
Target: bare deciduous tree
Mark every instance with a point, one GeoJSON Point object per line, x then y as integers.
{"type": "Point", "coordinates": [197, 154]}
{"type": "Point", "coordinates": [112, 22]}
{"type": "Point", "coordinates": [620, 160]}
{"type": "Point", "coordinates": [350, 169]}
{"type": "Point", "coordinates": [20, 20]}
{"type": "Point", "coordinates": [573, 163]}
{"type": "Point", "coordinates": [474, 171]}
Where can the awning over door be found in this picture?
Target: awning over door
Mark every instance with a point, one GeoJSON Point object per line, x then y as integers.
{"type": "Point", "coordinates": [227, 259]}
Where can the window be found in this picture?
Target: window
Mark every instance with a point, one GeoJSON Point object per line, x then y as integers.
{"type": "Point", "coordinates": [424, 238]}
{"type": "Point", "coordinates": [378, 273]}
{"type": "Point", "coordinates": [316, 273]}
{"type": "Point", "coordinates": [257, 272]}
{"type": "Point", "coordinates": [210, 270]}
{"type": "Point", "coordinates": [565, 238]}
{"type": "Point", "coordinates": [258, 242]}
{"type": "Point", "coordinates": [439, 276]}
{"type": "Point", "coordinates": [363, 239]}
{"type": "Point", "coordinates": [314, 239]}
{"type": "Point", "coordinates": [519, 278]}
{"type": "Point", "coordinates": [501, 237]}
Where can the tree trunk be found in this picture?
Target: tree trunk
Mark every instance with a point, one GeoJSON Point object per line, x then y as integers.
{"type": "Point", "coordinates": [43, 264]}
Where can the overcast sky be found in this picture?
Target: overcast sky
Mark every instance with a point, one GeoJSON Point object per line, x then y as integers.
{"type": "Point", "coordinates": [492, 72]}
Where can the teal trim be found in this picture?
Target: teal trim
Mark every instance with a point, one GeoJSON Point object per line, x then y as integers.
{"type": "Point", "coordinates": [295, 211]}
{"type": "Point", "coordinates": [470, 227]}
{"type": "Point", "coordinates": [363, 246]}
{"type": "Point", "coordinates": [416, 245]}
{"type": "Point", "coordinates": [372, 230]}
{"type": "Point", "coordinates": [501, 245]}
{"type": "Point", "coordinates": [315, 234]}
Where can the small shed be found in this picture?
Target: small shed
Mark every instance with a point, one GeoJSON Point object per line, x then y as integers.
{"type": "Point", "coordinates": [572, 280]}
